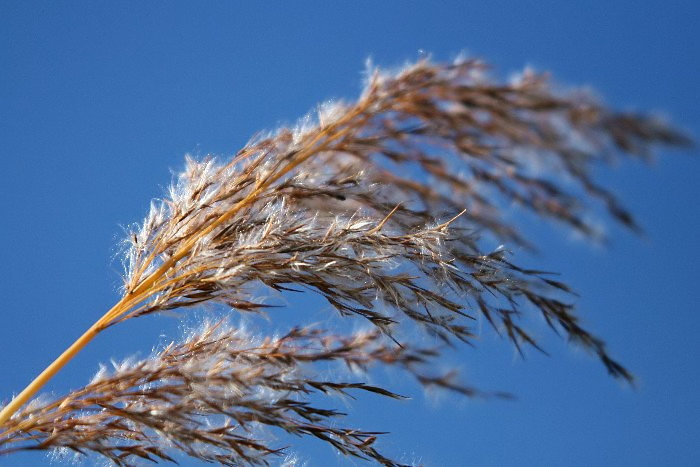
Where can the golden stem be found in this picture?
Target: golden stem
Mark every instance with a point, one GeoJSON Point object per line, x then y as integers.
{"type": "Point", "coordinates": [57, 364]}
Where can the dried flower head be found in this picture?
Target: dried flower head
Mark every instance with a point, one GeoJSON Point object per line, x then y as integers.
{"type": "Point", "coordinates": [335, 206]}
{"type": "Point", "coordinates": [215, 397]}
{"type": "Point", "coordinates": [380, 206]}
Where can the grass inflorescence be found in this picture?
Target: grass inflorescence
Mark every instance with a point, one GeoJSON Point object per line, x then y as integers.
{"type": "Point", "coordinates": [380, 206]}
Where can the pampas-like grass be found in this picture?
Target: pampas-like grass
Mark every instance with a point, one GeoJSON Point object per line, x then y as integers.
{"type": "Point", "coordinates": [171, 399]}
{"type": "Point", "coordinates": [378, 206]}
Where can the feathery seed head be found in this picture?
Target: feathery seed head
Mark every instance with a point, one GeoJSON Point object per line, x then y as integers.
{"type": "Point", "coordinates": [375, 206]}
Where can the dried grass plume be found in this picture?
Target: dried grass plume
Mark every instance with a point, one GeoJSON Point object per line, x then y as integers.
{"type": "Point", "coordinates": [381, 206]}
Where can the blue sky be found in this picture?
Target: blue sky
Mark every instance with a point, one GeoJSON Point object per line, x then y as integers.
{"type": "Point", "coordinates": [100, 101]}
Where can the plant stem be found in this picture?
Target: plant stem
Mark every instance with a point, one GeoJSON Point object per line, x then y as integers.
{"type": "Point", "coordinates": [57, 364]}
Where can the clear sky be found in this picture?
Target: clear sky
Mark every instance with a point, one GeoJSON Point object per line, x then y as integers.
{"type": "Point", "coordinates": [99, 101]}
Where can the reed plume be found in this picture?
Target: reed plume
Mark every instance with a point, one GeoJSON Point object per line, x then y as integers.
{"type": "Point", "coordinates": [173, 398]}
{"type": "Point", "coordinates": [383, 207]}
